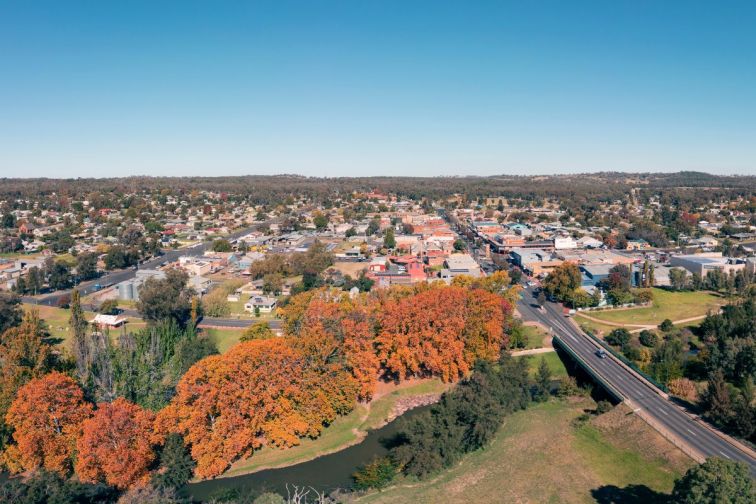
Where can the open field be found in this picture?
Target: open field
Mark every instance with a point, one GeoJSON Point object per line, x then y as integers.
{"type": "Point", "coordinates": [539, 456]}
{"type": "Point", "coordinates": [666, 305]}
{"type": "Point", "coordinates": [552, 359]}
{"type": "Point", "coordinates": [343, 432]}
{"type": "Point", "coordinates": [223, 338]}
{"type": "Point", "coordinates": [535, 336]}
{"type": "Point", "coordinates": [57, 321]}
{"type": "Point", "coordinates": [593, 326]}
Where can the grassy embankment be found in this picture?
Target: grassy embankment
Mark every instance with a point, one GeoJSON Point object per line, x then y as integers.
{"type": "Point", "coordinates": [666, 305]}
{"type": "Point", "coordinates": [343, 432]}
{"type": "Point", "coordinates": [535, 336]}
{"type": "Point", "coordinates": [541, 456]}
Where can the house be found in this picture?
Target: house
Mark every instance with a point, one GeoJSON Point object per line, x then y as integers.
{"type": "Point", "coordinates": [263, 304]}
{"type": "Point", "coordinates": [102, 320]}
{"type": "Point", "coordinates": [639, 244]}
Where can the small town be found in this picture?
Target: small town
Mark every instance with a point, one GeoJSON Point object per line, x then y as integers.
{"type": "Point", "coordinates": [377, 252]}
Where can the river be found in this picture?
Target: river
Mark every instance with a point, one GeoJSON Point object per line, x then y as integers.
{"type": "Point", "coordinates": [326, 473]}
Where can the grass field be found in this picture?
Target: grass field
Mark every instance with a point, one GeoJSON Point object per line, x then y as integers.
{"type": "Point", "coordinates": [539, 456]}
{"type": "Point", "coordinates": [594, 327]}
{"type": "Point", "coordinates": [666, 305]}
{"type": "Point", "coordinates": [535, 336]}
{"type": "Point", "coordinates": [552, 359]}
{"type": "Point", "coordinates": [224, 338]}
{"type": "Point", "coordinates": [57, 322]}
{"type": "Point", "coordinates": [343, 432]}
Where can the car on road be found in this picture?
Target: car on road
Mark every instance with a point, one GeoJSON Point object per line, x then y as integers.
{"type": "Point", "coordinates": [601, 353]}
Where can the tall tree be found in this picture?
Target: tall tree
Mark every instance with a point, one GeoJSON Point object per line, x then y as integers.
{"type": "Point", "coordinates": [167, 298]}
{"type": "Point", "coordinates": [117, 445]}
{"type": "Point", "coordinates": [46, 418]}
{"type": "Point", "coordinates": [10, 312]}
{"type": "Point", "coordinates": [25, 353]}
{"type": "Point", "coordinates": [715, 481]}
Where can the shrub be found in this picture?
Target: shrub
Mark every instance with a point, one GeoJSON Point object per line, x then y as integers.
{"type": "Point", "coordinates": [376, 474]}
{"type": "Point", "coordinates": [666, 325]}
{"type": "Point", "coordinates": [648, 338]}
{"type": "Point", "coordinates": [619, 337]}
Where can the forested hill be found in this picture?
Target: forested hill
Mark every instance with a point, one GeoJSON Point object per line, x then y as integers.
{"type": "Point", "coordinates": [605, 186]}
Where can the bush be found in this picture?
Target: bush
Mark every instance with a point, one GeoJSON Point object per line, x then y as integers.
{"type": "Point", "coordinates": [648, 338]}
{"type": "Point", "coordinates": [619, 337]}
{"type": "Point", "coordinates": [375, 474]}
{"type": "Point", "coordinates": [269, 498]}
{"type": "Point", "coordinates": [109, 307]}
{"type": "Point", "coordinates": [666, 325]}
{"type": "Point", "coordinates": [603, 407]}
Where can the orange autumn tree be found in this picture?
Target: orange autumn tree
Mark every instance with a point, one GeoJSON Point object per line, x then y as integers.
{"type": "Point", "coordinates": [116, 445]}
{"type": "Point", "coordinates": [486, 316]}
{"type": "Point", "coordinates": [260, 392]}
{"type": "Point", "coordinates": [46, 418]}
{"type": "Point", "coordinates": [441, 331]}
{"type": "Point", "coordinates": [421, 334]}
{"type": "Point", "coordinates": [338, 333]}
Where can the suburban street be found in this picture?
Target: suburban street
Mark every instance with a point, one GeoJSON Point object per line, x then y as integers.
{"type": "Point", "coordinates": [642, 395]}
{"type": "Point", "coordinates": [117, 276]}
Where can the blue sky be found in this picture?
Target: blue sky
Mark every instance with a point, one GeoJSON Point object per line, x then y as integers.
{"type": "Point", "coordinates": [320, 88]}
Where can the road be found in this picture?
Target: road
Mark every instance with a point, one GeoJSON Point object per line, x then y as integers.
{"type": "Point", "coordinates": [117, 276]}
{"type": "Point", "coordinates": [643, 396]}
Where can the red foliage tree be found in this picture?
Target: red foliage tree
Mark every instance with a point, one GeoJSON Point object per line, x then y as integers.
{"type": "Point", "coordinates": [117, 445]}
{"type": "Point", "coordinates": [47, 416]}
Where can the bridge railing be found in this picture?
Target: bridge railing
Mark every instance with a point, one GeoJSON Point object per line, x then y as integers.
{"type": "Point", "coordinates": [625, 360]}
{"type": "Point", "coordinates": [589, 369]}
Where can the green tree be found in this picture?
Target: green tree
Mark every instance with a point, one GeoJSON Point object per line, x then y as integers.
{"type": "Point", "coordinates": [678, 278]}
{"type": "Point", "coordinates": [59, 276]}
{"type": "Point", "coordinates": [619, 337]}
{"type": "Point", "coordinates": [167, 298]}
{"type": "Point", "coordinates": [176, 464]}
{"type": "Point", "coordinates": [389, 241]}
{"type": "Point", "coordinates": [10, 311]}
{"type": "Point", "coordinates": [86, 266]}
{"type": "Point", "coordinates": [222, 245]}
{"type": "Point", "coordinates": [563, 281]}
{"type": "Point", "coordinates": [109, 307]}
{"type": "Point", "coordinates": [259, 330]}
{"type": "Point", "coordinates": [320, 220]}
{"type": "Point", "coordinates": [716, 399]}
{"type": "Point", "coordinates": [377, 473]}
{"type": "Point", "coordinates": [648, 338]}
{"type": "Point", "coordinates": [543, 381]}
{"type": "Point", "coordinates": [715, 481]}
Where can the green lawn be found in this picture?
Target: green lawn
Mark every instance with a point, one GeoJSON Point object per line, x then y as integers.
{"type": "Point", "coordinates": [552, 359]}
{"type": "Point", "coordinates": [666, 305]}
{"type": "Point", "coordinates": [592, 326]}
{"type": "Point", "coordinates": [57, 322]}
{"type": "Point", "coordinates": [343, 432]}
{"type": "Point", "coordinates": [539, 456]}
{"type": "Point", "coordinates": [223, 338]}
{"type": "Point", "coordinates": [535, 336]}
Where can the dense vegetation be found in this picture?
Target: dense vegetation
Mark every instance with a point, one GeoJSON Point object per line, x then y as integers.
{"type": "Point", "coordinates": [143, 388]}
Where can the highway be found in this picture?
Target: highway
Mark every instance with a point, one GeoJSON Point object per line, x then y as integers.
{"type": "Point", "coordinates": [638, 393]}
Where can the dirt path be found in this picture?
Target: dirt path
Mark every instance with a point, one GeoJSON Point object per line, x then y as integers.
{"type": "Point", "coordinates": [532, 351]}
{"type": "Point", "coordinates": [640, 327]}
